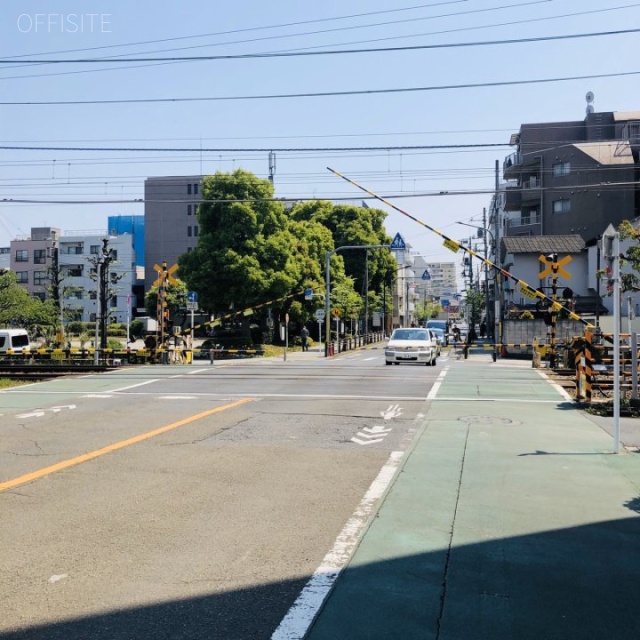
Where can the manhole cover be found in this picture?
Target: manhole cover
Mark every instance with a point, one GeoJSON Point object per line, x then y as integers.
{"type": "Point", "coordinates": [489, 421]}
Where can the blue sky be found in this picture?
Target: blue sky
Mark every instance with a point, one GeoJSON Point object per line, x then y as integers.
{"type": "Point", "coordinates": [473, 115]}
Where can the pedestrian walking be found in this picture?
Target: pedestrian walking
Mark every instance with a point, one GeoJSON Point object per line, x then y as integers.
{"type": "Point", "coordinates": [304, 337]}
{"type": "Point", "coordinates": [483, 329]}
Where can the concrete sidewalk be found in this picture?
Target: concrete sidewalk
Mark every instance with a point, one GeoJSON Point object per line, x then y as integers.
{"type": "Point", "coordinates": [510, 518]}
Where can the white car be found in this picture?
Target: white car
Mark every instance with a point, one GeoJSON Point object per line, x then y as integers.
{"type": "Point", "coordinates": [411, 345]}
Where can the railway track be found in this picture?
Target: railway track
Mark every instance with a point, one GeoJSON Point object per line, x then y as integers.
{"type": "Point", "coordinates": [44, 372]}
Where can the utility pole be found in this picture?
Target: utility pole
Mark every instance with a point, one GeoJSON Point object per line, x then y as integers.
{"type": "Point", "coordinates": [487, 303]}
{"type": "Point", "coordinates": [103, 279]}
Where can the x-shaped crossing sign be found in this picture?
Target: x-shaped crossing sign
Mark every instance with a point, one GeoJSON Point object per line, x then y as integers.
{"type": "Point", "coordinates": [559, 271]}
{"type": "Point", "coordinates": [165, 274]}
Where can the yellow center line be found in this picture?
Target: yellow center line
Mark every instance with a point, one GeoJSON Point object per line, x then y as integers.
{"type": "Point", "coordinates": [65, 464]}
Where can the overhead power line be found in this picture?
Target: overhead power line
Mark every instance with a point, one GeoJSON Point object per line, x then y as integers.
{"type": "Point", "coordinates": [324, 52]}
{"type": "Point", "coordinates": [319, 94]}
{"type": "Point", "coordinates": [258, 149]}
{"type": "Point", "coordinates": [605, 186]}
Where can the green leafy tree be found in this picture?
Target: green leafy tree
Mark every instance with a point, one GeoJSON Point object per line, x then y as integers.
{"type": "Point", "coordinates": [246, 252]}
{"type": "Point", "coordinates": [175, 298]}
{"type": "Point", "coordinates": [475, 305]}
{"type": "Point", "coordinates": [19, 309]}
{"type": "Point", "coordinates": [426, 310]}
{"type": "Point", "coordinates": [630, 281]}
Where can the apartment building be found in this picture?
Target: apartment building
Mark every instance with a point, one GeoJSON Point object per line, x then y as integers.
{"type": "Point", "coordinates": [78, 256]}
{"type": "Point", "coordinates": [32, 259]}
{"type": "Point", "coordinates": [573, 177]}
{"type": "Point", "coordinates": [73, 257]}
{"type": "Point", "coordinates": [171, 225]}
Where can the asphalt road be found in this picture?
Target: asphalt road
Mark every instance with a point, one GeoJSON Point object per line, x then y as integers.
{"type": "Point", "coordinates": [191, 501]}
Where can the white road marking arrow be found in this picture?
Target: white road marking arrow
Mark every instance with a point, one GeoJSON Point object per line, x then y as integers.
{"type": "Point", "coordinates": [33, 414]}
{"type": "Point", "coordinates": [368, 437]}
{"type": "Point", "coordinates": [393, 411]}
{"type": "Point", "coordinates": [61, 407]}
{"type": "Point", "coordinates": [379, 430]}
{"type": "Point", "coordinates": [358, 441]}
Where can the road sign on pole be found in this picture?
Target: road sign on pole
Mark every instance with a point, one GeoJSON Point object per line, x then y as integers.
{"type": "Point", "coordinates": [398, 243]}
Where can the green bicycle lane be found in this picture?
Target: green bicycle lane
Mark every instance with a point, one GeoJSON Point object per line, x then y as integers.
{"type": "Point", "coordinates": [496, 523]}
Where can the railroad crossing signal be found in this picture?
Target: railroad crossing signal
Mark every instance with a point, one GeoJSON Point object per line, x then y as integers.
{"type": "Point", "coordinates": [165, 274]}
{"type": "Point", "coordinates": [555, 268]}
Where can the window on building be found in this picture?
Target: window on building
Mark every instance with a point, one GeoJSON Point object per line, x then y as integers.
{"type": "Point", "coordinates": [22, 277]}
{"type": "Point", "coordinates": [94, 249]}
{"type": "Point", "coordinates": [93, 295]}
{"type": "Point", "coordinates": [113, 302]}
{"type": "Point", "coordinates": [40, 278]}
{"type": "Point", "coordinates": [74, 271]}
{"type": "Point", "coordinates": [195, 230]}
{"type": "Point", "coordinates": [114, 254]}
{"type": "Point", "coordinates": [189, 189]}
{"type": "Point", "coordinates": [561, 206]}
{"type": "Point", "coordinates": [73, 249]}
{"type": "Point", "coordinates": [22, 255]}
{"type": "Point", "coordinates": [195, 188]}
{"type": "Point", "coordinates": [561, 168]}
{"type": "Point", "coordinates": [188, 209]}
{"type": "Point", "coordinates": [92, 317]}
{"type": "Point", "coordinates": [41, 295]}
{"type": "Point", "coordinates": [189, 234]}
{"type": "Point", "coordinates": [40, 256]}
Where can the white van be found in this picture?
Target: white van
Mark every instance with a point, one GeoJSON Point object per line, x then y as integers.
{"type": "Point", "coordinates": [16, 340]}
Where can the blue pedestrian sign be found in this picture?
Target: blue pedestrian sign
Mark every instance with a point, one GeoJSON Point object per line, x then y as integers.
{"type": "Point", "coordinates": [426, 275]}
{"type": "Point", "coordinates": [192, 296]}
{"type": "Point", "coordinates": [444, 303]}
{"type": "Point", "coordinates": [398, 243]}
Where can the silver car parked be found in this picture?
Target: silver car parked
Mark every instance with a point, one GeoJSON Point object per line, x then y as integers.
{"type": "Point", "coordinates": [411, 345]}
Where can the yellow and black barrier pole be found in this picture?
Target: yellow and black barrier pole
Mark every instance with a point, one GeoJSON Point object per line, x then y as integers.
{"type": "Point", "coordinates": [453, 245]}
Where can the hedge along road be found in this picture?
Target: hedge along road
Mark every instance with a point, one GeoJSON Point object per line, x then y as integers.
{"type": "Point", "coordinates": [190, 502]}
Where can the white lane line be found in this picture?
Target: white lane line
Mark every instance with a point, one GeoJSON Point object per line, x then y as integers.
{"type": "Point", "coordinates": [436, 385]}
{"type": "Point", "coordinates": [213, 394]}
{"type": "Point", "coordinates": [559, 388]}
{"type": "Point", "coordinates": [296, 623]}
{"type": "Point", "coordinates": [133, 386]}
{"type": "Point", "coordinates": [518, 400]}
{"type": "Point", "coordinates": [367, 359]}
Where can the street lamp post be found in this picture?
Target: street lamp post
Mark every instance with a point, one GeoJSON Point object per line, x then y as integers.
{"type": "Point", "coordinates": [485, 230]}
{"type": "Point", "coordinates": [327, 315]}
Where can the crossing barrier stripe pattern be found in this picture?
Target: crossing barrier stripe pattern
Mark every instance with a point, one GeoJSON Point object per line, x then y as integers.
{"type": "Point", "coordinates": [525, 288]}
{"type": "Point", "coordinates": [243, 312]}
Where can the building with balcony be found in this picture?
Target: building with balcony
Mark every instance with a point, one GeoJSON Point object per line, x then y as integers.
{"type": "Point", "coordinates": [69, 258]}
{"type": "Point", "coordinates": [573, 177]}
{"type": "Point", "coordinates": [78, 255]}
